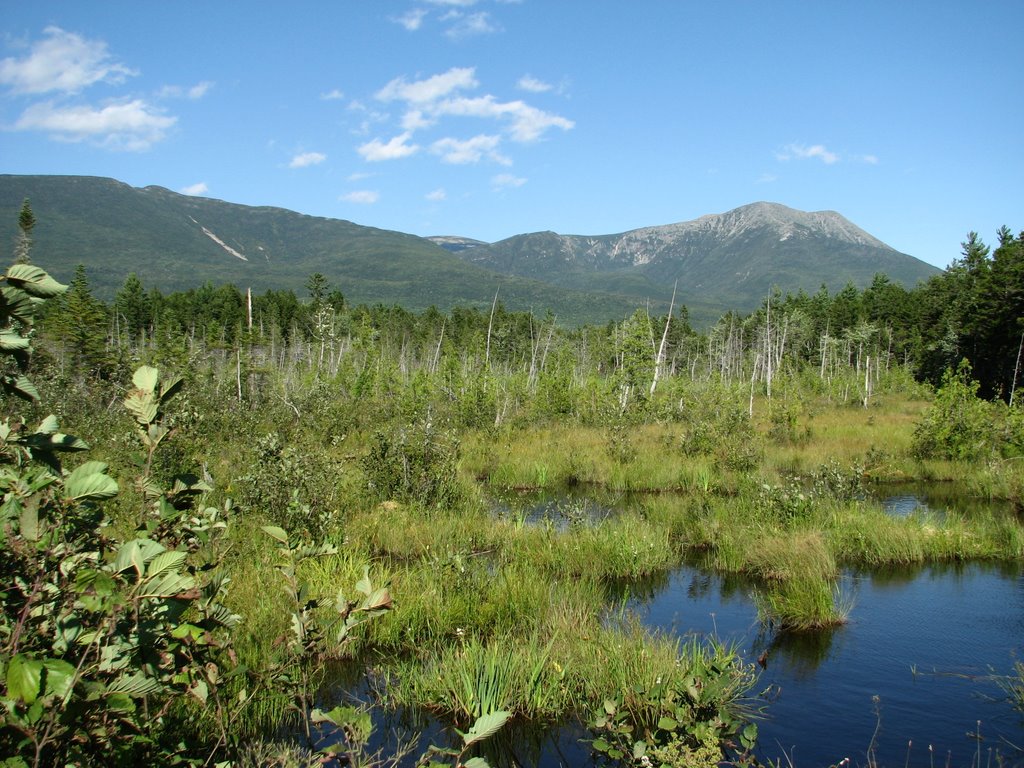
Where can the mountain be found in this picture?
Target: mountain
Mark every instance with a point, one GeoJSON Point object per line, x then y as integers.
{"type": "Point", "coordinates": [455, 244]}
{"type": "Point", "coordinates": [735, 257]}
{"type": "Point", "coordinates": [176, 242]}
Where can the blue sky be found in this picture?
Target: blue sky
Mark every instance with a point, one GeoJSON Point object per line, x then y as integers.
{"type": "Point", "coordinates": [489, 118]}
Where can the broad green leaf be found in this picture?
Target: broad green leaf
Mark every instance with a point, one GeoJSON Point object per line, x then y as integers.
{"type": "Point", "coordinates": [379, 601]}
{"type": "Point", "coordinates": [89, 482]}
{"type": "Point", "coordinates": [48, 426]}
{"type": "Point", "coordinates": [167, 585]}
{"type": "Point", "coordinates": [146, 378]}
{"type": "Point", "coordinates": [165, 561]}
{"type": "Point", "coordinates": [476, 762]}
{"type": "Point", "coordinates": [9, 341]}
{"type": "Point", "coordinates": [276, 533]}
{"type": "Point", "coordinates": [134, 685]}
{"type": "Point", "coordinates": [200, 690]}
{"type": "Point", "coordinates": [364, 585]}
{"type": "Point", "coordinates": [141, 405]}
{"type": "Point", "coordinates": [485, 726]}
{"type": "Point", "coordinates": [55, 442]}
{"type": "Point", "coordinates": [28, 524]}
{"type": "Point", "coordinates": [20, 386]}
{"type": "Point", "coordinates": [17, 304]}
{"type": "Point", "coordinates": [169, 388]}
{"type": "Point", "coordinates": [24, 678]}
{"type": "Point", "coordinates": [120, 702]}
{"type": "Point", "coordinates": [135, 554]}
{"type": "Point", "coordinates": [60, 676]}
{"type": "Point", "coordinates": [667, 724]}
{"type": "Point", "coordinates": [34, 281]}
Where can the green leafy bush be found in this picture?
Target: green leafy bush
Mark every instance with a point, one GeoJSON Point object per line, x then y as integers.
{"type": "Point", "coordinates": [959, 425]}
{"type": "Point", "coordinates": [416, 463]}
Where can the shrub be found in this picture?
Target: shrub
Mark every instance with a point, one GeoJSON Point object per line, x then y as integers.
{"type": "Point", "coordinates": [959, 425]}
{"type": "Point", "coordinates": [416, 463]}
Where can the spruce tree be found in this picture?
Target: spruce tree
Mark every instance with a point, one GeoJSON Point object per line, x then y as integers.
{"type": "Point", "coordinates": [26, 222]}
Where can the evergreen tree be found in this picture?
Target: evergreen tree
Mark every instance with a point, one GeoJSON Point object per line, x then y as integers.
{"type": "Point", "coordinates": [133, 309]}
{"type": "Point", "coordinates": [78, 323]}
{"type": "Point", "coordinates": [26, 222]}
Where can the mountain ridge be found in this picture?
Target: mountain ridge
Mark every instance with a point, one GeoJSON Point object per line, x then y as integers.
{"type": "Point", "coordinates": [174, 242]}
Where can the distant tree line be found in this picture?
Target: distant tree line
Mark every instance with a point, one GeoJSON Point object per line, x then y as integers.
{"type": "Point", "coordinates": [974, 312]}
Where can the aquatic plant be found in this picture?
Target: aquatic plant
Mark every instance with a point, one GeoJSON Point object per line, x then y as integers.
{"type": "Point", "coordinates": [690, 713]}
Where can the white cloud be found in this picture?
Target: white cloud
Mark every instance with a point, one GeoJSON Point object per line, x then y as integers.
{"type": "Point", "coordinates": [470, 24]}
{"type": "Point", "coordinates": [870, 159]}
{"type": "Point", "coordinates": [133, 125]}
{"type": "Point", "coordinates": [307, 159]}
{"type": "Point", "coordinates": [528, 123]}
{"type": "Point", "coordinates": [507, 180]}
{"type": "Point", "coordinates": [333, 95]}
{"type": "Point", "coordinates": [63, 62]}
{"type": "Point", "coordinates": [802, 152]}
{"type": "Point", "coordinates": [195, 189]}
{"type": "Point", "coordinates": [414, 120]}
{"type": "Point", "coordinates": [411, 20]}
{"type": "Point", "coordinates": [361, 196]}
{"type": "Point", "coordinates": [533, 85]}
{"type": "Point", "coordinates": [194, 93]}
{"type": "Point", "coordinates": [199, 90]}
{"type": "Point", "coordinates": [461, 3]}
{"type": "Point", "coordinates": [359, 176]}
{"type": "Point", "coordinates": [472, 150]}
{"type": "Point", "coordinates": [767, 178]}
{"type": "Point", "coordinates": [376, 150]}
{"type": "Point", "coordinates": [437, 195]}
{"type": "Point", "coordinates": [431, 89]}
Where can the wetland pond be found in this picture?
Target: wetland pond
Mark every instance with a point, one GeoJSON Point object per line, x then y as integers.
{"type": "Point", "coordinates": [910, 676]}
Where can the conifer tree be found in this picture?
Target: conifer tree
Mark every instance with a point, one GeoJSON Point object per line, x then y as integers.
{"type": "Point", "coordinates": [26, 221]}
{"type": "Point", "coordinates": [79, 324]}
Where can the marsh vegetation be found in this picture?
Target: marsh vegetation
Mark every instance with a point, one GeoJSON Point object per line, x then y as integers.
{"type": "Point", "coordinates": [265, 495]}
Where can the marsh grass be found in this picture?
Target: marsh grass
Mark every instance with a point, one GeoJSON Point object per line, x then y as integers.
{"type": "Point", "coordinates": [471, 678]}
{"type": "Point", "coordinates": [624, 546]}
{"type": "Point", "coordinates": [1013, 686]}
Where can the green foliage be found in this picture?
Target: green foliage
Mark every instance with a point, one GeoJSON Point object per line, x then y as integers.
{"type": "Point", "coordinates": [296, 671]}
{"type": "Point", "coordinates": [291, 487]}
{"type": "Point", "coordinates": [473, 679]}
{"type": "Point", "coordinates": [78, 322]}
{"type": "Point", "coordinates": [680, 719]}
{"type": "Point", "coordinates": [416, 463]}
{"type": "Point", "coordinates": [959, 425]}
{"type": "Point", "coordinates": [96, 640]}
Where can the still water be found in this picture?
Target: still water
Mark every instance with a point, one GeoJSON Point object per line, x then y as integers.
{"type": "Point", "coordinates": [925, 642]}
{"type": "Point", "coordinates": [908, 681]}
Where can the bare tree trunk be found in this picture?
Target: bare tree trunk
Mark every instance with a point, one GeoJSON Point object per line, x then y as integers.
{"type": "Point", "coordinates": [437, 352]}
{"type": "Point", "coordinates": [753, 375]}
{"type": "Point", "coordinates": [490, 324]}
{"type": "Point", "coordinates": [1016, 369]}
{"type": "Point", "coordinates": [659, 359]}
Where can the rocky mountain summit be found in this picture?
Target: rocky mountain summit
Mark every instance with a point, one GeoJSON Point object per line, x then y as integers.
{"type": "Point", "coordinates": [741, 253]}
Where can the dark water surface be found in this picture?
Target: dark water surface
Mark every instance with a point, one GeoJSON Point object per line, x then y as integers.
{"type": "Point", "coordinates": [926, 642]}
{"type": "Point", "coordinates": [910, 677]}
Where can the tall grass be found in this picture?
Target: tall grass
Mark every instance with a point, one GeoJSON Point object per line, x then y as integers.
{"type": "Point", "coordinates": [470, 678]}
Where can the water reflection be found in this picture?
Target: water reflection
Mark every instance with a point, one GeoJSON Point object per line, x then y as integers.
{"type": "Point", "coordinates": [913, 665]}
{"type": "Point", "coordinates": [934, 499]}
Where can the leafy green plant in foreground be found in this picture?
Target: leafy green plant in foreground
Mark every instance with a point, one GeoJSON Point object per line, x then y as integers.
{"type": "Point", "coordinates": [688, 717]}
{"type": "Point", "coordinates": [94, 645]}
